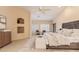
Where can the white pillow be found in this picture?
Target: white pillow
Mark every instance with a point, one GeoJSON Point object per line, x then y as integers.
{"type": "Point", "coordinates": [75, 35]}
{"type": "Point", "coordinates": [67, 32]}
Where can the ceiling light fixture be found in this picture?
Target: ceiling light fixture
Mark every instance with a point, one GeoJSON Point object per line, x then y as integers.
{"type": "Point", "coordinates": [59, 6]}
{"type": "Point", "coordinates": [43, 9]}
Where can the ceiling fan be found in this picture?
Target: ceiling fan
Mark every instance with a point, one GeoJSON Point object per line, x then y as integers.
{"type": "Point", "coordinates": [43, 9]}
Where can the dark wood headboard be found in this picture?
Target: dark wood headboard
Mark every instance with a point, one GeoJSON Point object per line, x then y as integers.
{"type": "Point", "coordinates": [71, 25]}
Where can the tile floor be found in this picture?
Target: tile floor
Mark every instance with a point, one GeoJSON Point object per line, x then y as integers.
{"type": "Point", "coordinates": [27, 45]}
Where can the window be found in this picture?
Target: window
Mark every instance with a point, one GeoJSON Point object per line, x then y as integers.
{"type": "Point", "coordinates": [35, 27]}
{"type": "Point", "coordinates": [40, 27]}
{"type": "Point", "coordinates": [44, 27]}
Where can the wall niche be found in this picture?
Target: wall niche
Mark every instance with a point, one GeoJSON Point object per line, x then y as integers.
{"type": "Point", "coordinates": [20, 21]}
{"type": "Point", "coordinates": [20, 28]}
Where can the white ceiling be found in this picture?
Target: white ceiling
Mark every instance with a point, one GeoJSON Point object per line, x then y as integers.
{"type": "Point", "coordinates": [50, 14]}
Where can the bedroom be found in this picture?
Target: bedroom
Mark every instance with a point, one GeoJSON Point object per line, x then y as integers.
{"type": "Point", "coordinates": [40, 21]}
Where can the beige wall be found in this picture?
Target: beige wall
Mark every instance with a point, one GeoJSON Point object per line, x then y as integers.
{"type": "Point", "coordinates": [69, 14]}
{"type": "Point", "coordinates": [12, 13]}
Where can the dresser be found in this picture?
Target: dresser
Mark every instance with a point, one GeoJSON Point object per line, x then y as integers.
{"type": "Point", "coordinates": [5, 38]}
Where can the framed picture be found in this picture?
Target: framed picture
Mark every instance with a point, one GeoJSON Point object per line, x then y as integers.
{"type": "Point", "coordinates": [2, 19]}
{"type": "Point", "coordinates": [2, 26]}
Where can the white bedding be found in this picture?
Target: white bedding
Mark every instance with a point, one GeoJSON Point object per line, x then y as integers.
{"type": "Point", "coordinates": [73, 39]}
{"type": "Point", "coordinates": [55, 39]}
{"type": "Point", "coordinates": [40, 43]}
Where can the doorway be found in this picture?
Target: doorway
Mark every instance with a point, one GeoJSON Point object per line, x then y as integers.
{"type": "Point", "coordinates": [54, 27]}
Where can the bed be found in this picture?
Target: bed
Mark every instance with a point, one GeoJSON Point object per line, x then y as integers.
{"type": "Point", "coordinates": [58, 41]}
{"type": "Point", "coordinates": [68, 39]}
{"type": "Point", "coordinates": [62, 42]}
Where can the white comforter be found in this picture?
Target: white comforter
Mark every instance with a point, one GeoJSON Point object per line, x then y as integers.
{"type": "Point", "coordinates": [73, 39]}
{"type": "Point", "coordinates": [55, 39]}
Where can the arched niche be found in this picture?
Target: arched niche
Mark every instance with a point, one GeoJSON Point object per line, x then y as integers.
{"type": "Point", "coordinates": [20, 21]}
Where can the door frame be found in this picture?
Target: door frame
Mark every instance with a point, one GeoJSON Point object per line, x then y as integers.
{"type": "Point", "coordinates": [54, 27]}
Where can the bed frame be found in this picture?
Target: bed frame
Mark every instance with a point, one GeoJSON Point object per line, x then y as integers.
{"type": "Point", "coordinates": [72, 46]}
{"type": "Point", "coordinates": [71, 25]}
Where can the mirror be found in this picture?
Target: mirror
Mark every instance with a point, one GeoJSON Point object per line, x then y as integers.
{"type": "Point", "coordinates": [2, 22]}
